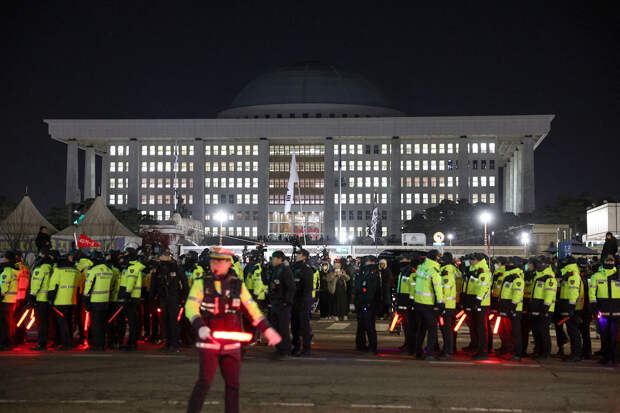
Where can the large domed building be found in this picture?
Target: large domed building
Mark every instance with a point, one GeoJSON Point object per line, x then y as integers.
{"type": "Point", "coordinates": [353, 149]}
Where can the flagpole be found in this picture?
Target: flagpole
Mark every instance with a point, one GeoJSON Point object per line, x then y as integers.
{"type": "Point", "coordinates": [339, 191]}
{"type": "Point", "coordinates": [303, 222]}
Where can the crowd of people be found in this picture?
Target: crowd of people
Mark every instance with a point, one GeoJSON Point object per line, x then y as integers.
{"type": "Point", "coordinates": [113, 300]}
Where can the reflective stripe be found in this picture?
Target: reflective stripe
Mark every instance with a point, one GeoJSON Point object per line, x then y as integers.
{"type": "Point", "coordinates": [479, 298]}
{"type": "Point", "coordinates": [218, 346]}
{"type": "Point", "coordinates": [425, 294]}
{"type": "Point", "coordinates": [194, 299]}
{"type": "Point", "coordinates": [100, 292]}
{"type": "Point", "coordinates": [68, 286]}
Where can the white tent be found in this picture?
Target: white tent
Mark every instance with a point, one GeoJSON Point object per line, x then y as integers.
{"type": "Point", "coordinates": [20, 228]}
{"type": "Point", "coordinates": [100, 225]}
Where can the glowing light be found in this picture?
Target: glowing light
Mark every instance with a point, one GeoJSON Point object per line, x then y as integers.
{"type": "Point", "coordinates": [31, 322]}
{"type": "Point", "coordinates": [496, 328]}
{"type": "Point", "coordinates": [21, 320]}
{"type": "Point", "coordinates": [58, 312]}
{"type": "Point", "coordinates": [491, 317]}
{"type": "Point", "coordinates": [485, 217]}
{"type": "Point", "coordinates": [86, 321]}
{"type": "Point", "coordinates": [460, 314]}
{"type": "Point", "coordinates": [395, 321]}
{"type": "Point", "coordinates": [159, 310]}
{"type": "Point", "coordinates": [562, 321]}
{"type": "Point", "coordinates": [458, 325]}
{"type": "Point", "coordinates": [180, 314]}
{"type": "Point", "coordinates": [115, 314]}
{"type": "Point", "coordinates": [599, 315]}
{"type": "Point", "coordinates": [441, 321]}
{"type": "Point", "coordinates": [232, 335]}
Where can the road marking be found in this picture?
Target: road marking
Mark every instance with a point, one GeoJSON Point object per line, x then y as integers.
{"type": "Point", "coordinates": [284, 404]}
{"type": "Point", "coordinates": [484, 409]}
{"type": "Point", "coordinates": [380, 406]}
{"type": "Point", "coordinates": [159, 356]}
{"type": "Point", "coordinates": [177, 402]}
{"type": "Point", "coordinates": [379, 360]}
{"type": "Point", "coordinates": [93, 401]}
{"type": "Point", "coordinates": [338, 326]}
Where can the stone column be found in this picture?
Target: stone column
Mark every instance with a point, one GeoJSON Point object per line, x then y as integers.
{"type": "Point", "coordinates": [198, 208]}
{"type": "Point", "coordinates": [463, 172]}
{"type": "Point", "coordinates": [105, 176]}
{"type": "Point", "coordinates": [394, 222]}
{"type": "Point", "coordinates": [509, 185]}
{"type": "Point", "coordinates": [513, 179]}
{"type": "Point", "coordinates": [518, 179]}
{"type": "Point", "coordinates": [329, 216]}
{"type": "Point", "coordinates": [528, 193]}
{"type": "Point", "coordinates": [89, 173]}
{"type": "Point", "coordinates": [133, 189]}
{"type": "Point", "coordinates": [263, 187]}
{"type": "Point", "coordinates": [72, 189]}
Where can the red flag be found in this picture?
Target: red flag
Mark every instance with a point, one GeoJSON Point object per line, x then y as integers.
{"type": "Point", "coordinates": [84, 241]}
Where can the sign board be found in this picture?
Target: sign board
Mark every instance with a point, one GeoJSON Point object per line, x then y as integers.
{"type": "Point", "coordinates": [566, 249]}
{"type": "Point", "coordinates": [438, 237]}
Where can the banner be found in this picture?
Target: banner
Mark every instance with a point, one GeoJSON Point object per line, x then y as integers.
{"type": "Point", "coordinates": [84, 241]}
{"type": "Point", "coordinates": [290, 192]}
{"type": "Point", "coordinates": [375, 219]}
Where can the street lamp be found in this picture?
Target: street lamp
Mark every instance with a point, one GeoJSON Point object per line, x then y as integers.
{"type": "Point", "coordinates": [221, 217]}
{"type": "Point", "coordinates": [486, 217]}
{"type": "Point", "coordinates": [450, 238]}
{"type": "Point", "coordinates": [525, 238]}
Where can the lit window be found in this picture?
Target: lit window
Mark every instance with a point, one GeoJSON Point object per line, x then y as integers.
{"type": "Point", "coordinates": [450, 181]}
{"type": "Point", "coordinates": [474, 181]}
{"type": "Point", "coordinates": [433, 198]}
{"type": "Point", "coordinates": [408, 165]}
{"type": "Point", "coordinates": [483, 181]}
{"type": "Point", "coordinates": [433, 148]}
{"type": "Point", "coordinates": [474, 198]}
{"type": "Point", "coordinates": [112, 150]}
{"type": "Point", "coordinates": [152, 150]}
{"type": "Point", "coordinates": [145, 150]}
{"type": "Point", "coordinates": [425, 165]}
{"type": "Point", "coordinates": [491, 198]}
{"type": "Point", "coordinates": [416, 165]}
{"type": "Point", "coordinates": [442, 148]}
{"type": "Point", "coordinates": [384, 149]}
{"type": "Point", "coordinates": [483, 198]}
{"type": "Point", "coordinates": [491, 181]}
{"type": "Point", "coordinates": [416, 198]}
{"type": "Point", "coordinates": [208, 150]}
{"type": "Point", "coordinates": [367, 182]}
{"type": "Point", "coordinates": [425, 148]}
{"type": "Point", "coordinates": [255, 199]}
{"type": "Point", "coordinates": [433, 165]}
{"type": "Point", "coordinates": [417, 148]}
{"type": "Point", "coordinates": [450, 148]}
{"type": "Point", "coordinates": [425, 198]}
{"type": "Point", "coordinates": [491, 149]}
{"type": "Point", "coordinates": [474, 148]}
{"type": "Point", "coordinates": [207, 199]}
{"type": "Point", "coordinates": [207, 166]}
{"type": "Point", "coordinates": [112, 166]}
{"type": "Point", "coordinates": [483, 148]}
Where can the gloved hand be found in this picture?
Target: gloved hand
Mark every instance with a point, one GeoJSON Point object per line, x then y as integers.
{"type": "Point", "coordinates": [272, 336]}
{"type": "Point", "coordinates": [32, 299]}
{"type": "Point", "coordinates": [477, 304]}
{"type": "Point", "coordinates": [594, 309]}
{"type": "Point", "coordinates": [441, 308]}
{"type": "Point", "coordinates": [204, 333]}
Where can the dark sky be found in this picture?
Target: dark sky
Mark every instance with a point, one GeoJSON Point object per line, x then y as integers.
{"type": "Point", "coordinates": [169, 60]}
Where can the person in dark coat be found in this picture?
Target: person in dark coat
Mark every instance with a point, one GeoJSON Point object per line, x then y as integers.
{"type": "Point", "coordinates": [43, 241]}
{"type": "Point", "coordinates": [386, 288]}
{"type": "Point", "coordinates": [610, 247]}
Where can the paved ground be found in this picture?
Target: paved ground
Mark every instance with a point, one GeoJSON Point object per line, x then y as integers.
{"type": "Point", "coordinates": [334, 379]}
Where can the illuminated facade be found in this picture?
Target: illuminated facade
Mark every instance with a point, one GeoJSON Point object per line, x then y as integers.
{"type": "Point", "coordinates": [337, 124]}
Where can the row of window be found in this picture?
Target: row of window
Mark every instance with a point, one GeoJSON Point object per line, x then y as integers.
{"type": "Point", "coordinates": [233, 231]}
{"type": "Point", "coordinates": [483, 198]}
{"type": "Point", "coordinates": [426, 198]}
{"type": "Point", "coordinates": [165, 199]}
{"type": "Point", "coordinates": [432, 181]}
{"type": "Point", "coordinates": [231, 150]}
{"type": "Point", "coordinates": [239, 199]}
{"type": "Point", "coordinates": [239, 216]}
{"type": "Point", "coordinates": [158, 215]}
{"type": "Point", "coordinates": [306, 199]}
{"type": "Point", "coordinates": [364, 182]}
{"type": "Point", "coordinates": [303, 183]}
{"type": "Point", "coordinates": [369, 166]}
{"type": "Point", "coordinates": [351, 232]}
{"type": "Point", "coordinates": [117, 199]}
{"type": "Point", "coordinates": [360, 215]}
{"type": "Point", "coordinates": [245, 166]}
{"type": "Point", "coordinates": [119, 167]}
{"type": "Point", "coordinates": [119, 150]}
{"type": "Point", "coordinates": [167, 150]}
{"type": "Point", "coordinates": [360, 199]}
{"type": "Point", "coordinates": [301, 166]}
{"type": "Point", "coordinates": [482, 181]}
{"type": "Point", "coordinates": [166, 167]}
{"type": "Point", "coordinates": [230, 182]}
{"type": "Point", "coordinates": [167, 183]}
{"type": "Point", "coordinates": [360, 149]}
{"type": "Point", "coordinates": [304, 150]}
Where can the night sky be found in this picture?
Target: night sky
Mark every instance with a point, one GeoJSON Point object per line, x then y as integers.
{"type": "Point", "coordinates": [169, 60]}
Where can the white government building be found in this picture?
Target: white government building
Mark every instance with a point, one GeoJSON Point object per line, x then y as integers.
{"type": "Point", "coordinates": [238, 163]}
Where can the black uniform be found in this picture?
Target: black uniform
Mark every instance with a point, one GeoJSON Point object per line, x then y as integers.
{"type": "Point", "coordinates": [303, 275]}
{"type": "Point", "coordinates": [367, 300]}
{"type": "Point", "coordinates": [280, 295]}
{"type": "Point", "coordinates": [169, 286]}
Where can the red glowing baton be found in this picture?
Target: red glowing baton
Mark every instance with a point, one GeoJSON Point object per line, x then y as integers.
{"type": "Point", "coordinates": [58, 312]}
{"type": "Point", "coordinates": [31, 322]}
{"type": "Point", "coordinates": [115, 314]}
{"type": "Point", "coordinates": [395, 321]}
{"type": "Point", "coordinates": [496, 328]}
{"type": "Point", "coordinates": [441, 321]}
{"type": "Point", "coordinates": [86, 321]}
{"type": "Point", "coordinates": [159, 310]}
{"type": "Point", "coordinates": [180, 314]}
{"type": "Point", "coordinates": [562, 321]}
{"type": "Point", "coordinates": [458, 325]}
{"type": "Point", "coordinates": [21, 320]}
{"type": "Point", "coordinates": [460, 314]}
{"type": "Point", "coordinates": [232, 335]}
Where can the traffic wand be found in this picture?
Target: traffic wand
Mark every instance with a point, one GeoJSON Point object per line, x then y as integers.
{"type": "Point", "coordinates": [458, 325]}
{"type": "Point", "coordinates": [496, 327]}
{"type": "Point", "coordinates": [86, 321]}
{"type": "Point", "coordinates": [441, 321]}
{"type": "Point", "coordinates": [180, 314]}
{"type": "Point", "coordinates": [233, 336]}
{"type": "Point", "coordinates": [394, 322]}
{"type": "Point", "coordinates": [23, 317]}
{"type": "Point", "coordinates": [115, 314]}
{"type": "Point", "coordinates": [491, 317]}
{"type": "Point", "coordinates": [58, 312]}
{"type": "Point", "coordinates": [31, 322]}
{"type": "Point", "coordinates": [562, 321]}
{"type": "Point", "coordinates": [599, 315]}
{"type": "Point", "coordinates": [460, 314]}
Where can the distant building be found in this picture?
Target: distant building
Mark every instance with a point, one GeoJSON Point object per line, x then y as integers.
{"type": "Point", "coordinates": [335, 122]}
{"type": "Point", "coordinates": [176, 231]}
{"type": "Point", "coordinates": [601, 220]}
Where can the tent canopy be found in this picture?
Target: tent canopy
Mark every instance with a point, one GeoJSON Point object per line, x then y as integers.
{"type": "Point", "coordinates": [25, 220]}
{"type": "Point", "coordinates": [576, 249]}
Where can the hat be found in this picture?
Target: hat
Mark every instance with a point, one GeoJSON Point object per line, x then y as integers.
{"type": "Point", "coordinates": [278, 254]}
{"type": "Point", "coordinates": [221, 254]}
{"type": "Point", "coordinates": [304, 252]}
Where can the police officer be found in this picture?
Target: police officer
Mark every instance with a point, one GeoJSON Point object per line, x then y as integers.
{"type": "Point", "coordinates": [82, 264]}
{"type": "Point", "coordinates": [429, 302]}
{"type": "Point", "coordinates": [214, 307]}
{"type": "Point", "coordinates": [585, 314]}
{"type": "Point", "coordinates": [571, 301]}
{"type": "Point", "coordinates": [511, 307]}
{"type": "Point", "coordinates": [62, 298]}
{"type": "Point", "coordinates": [169, 287]}
{"type": "Point", "coordinates": [405, 294]}
{"type": "Point", "coordinates": [367, 295]}
{"type": "Point", "coordinates": [8, 297]}
{"type": "Point", "coordinates": [303, 275]}
{"type": "Point", "coordinates": [37, 296]}
{"type": "Point", "coordinates": [114, 310]}
{"type": "Point", "coordinates": [605, 300]}
{"type": "Point", "coordinates": [503, 332]}
{"type": "Point", "coordinates": [480, 281]}
{"type": "Point", "coordinates": [448, 273]}
{"type": "Point", "coordinates": [97, 299]}
{"type": "Point", "coordinates": [23, 279]}
{"type": "Point", "coordinates": [281, 293]}
{"type": "Point", "coordinates": [129, 295]}
{"type": "Point", "coordinates": [542, 307]}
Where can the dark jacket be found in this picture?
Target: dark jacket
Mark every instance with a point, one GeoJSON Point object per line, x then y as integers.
{"type": "Point", "coordinates": [303, 275]}
{"type": "Point", "coordinates": [367, 286]}
{"type": "Point", "coordinates": [43, 241]}
{"type": "Point", "coordinates": [169, 282]}
{"type": "Point", "coordinates": [386, 285]}
{"type": "Point", "coordinates": [610, 247]}
{"type": "Point", "coordinates": [280, 283]}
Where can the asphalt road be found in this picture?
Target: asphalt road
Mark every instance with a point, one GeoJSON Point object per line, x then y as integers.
{"type": "Point", "coordinates": [334, 379]}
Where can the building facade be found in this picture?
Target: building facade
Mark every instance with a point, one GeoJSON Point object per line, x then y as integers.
{"type": "Point", "coordinates": [352, 150]}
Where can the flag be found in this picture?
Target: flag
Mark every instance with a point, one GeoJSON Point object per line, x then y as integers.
{"type": "Point", "coordinates": [290, 192]}
{"type": "Point", "coordinates": [84, 241]}
{"type": "Point", "coordinates": [374, 220]}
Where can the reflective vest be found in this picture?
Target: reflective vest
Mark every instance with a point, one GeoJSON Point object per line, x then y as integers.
{"type": "Point", "coordinates": [8, 285]}
{"type": "Point", "coordinates": [255, 279]}
{"type": "Point", "coordinates": [23, 279]}
{"type": "Point", "coordinates": [316, 281]}
{"type": "Point", "coordinates": [511, 292]}
{"type": "Point", "coordinates": [131, 279]}
{"type": "Point", "coordinates": [543, 293]}
{"type": "Point", "coordinates": [405, 290]}
{"type": "Point", "coordinates": [448, 279]}
{"type": "Point", "coordinates": [478, 286]}
{"type": "Point", "coordinates": [98, 284]}
{"type": "Point", "coordinates": [428, 289]}
{"type": "Point", "coordinates": [498, 280]}
{"type": "Point", "coordinates": [571, 290]}
{"type": "Point", "coordinates": [63, 282]}
{"type": "Point", "coordinates": [40, 282]}
{"type": "Point", "coordinates": [196, 274]}
{"type": "Point", "coordinates": [115, 285]}
{"type": "Point", "coordinates": [83, 265]}
{"type": "Point", "coordinates": [605, 292]}
{"type": "Point", "coordinates": [238, 269]}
